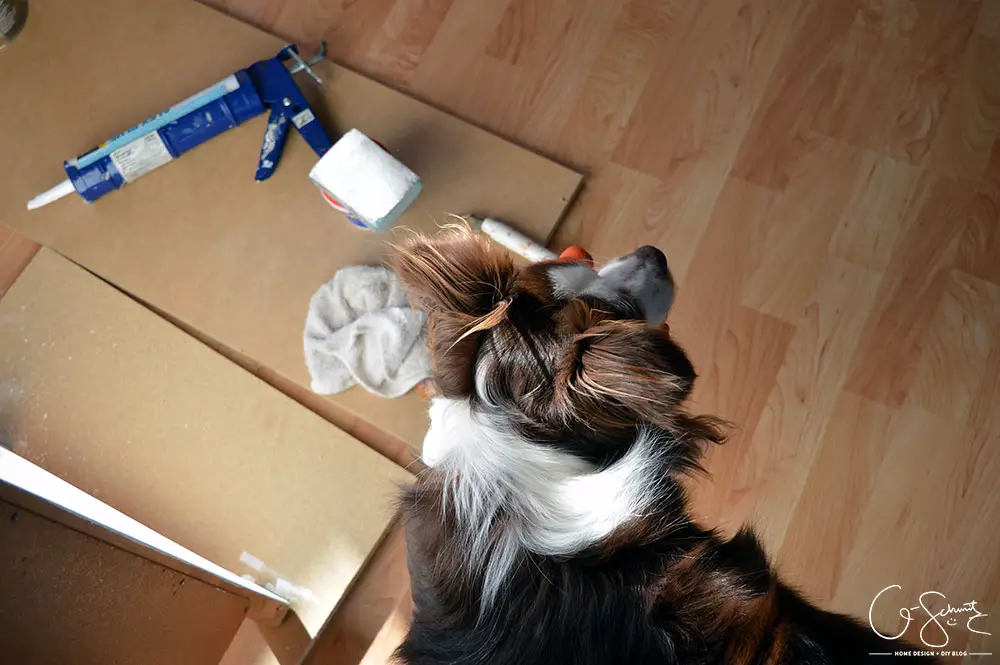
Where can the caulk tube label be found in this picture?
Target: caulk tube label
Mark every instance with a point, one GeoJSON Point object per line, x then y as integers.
{"type": "Point", "coordinates": [140, 156]}
{"type": "Point", "coordinates": [149, 126]}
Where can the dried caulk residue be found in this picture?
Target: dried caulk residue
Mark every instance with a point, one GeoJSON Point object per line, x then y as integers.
{"type": "Point", "coordinates": [271, 141]}
{"type": "Point", "coordinates": [293, 592]}
{"type": "Point", "coordinates": [275, 583]}
{"type": "Point", "coordinates": [252, 562]}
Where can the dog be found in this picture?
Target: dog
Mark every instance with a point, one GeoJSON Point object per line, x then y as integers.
{"type": "Point", "coordinates": [551, 526]}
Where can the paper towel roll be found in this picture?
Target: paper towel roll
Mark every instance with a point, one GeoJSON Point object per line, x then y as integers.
{"type": "Point", "coordinates": [361, 175]}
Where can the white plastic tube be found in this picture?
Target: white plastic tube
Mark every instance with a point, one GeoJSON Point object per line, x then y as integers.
{"type": "Point", "coordinates": [513, 240]}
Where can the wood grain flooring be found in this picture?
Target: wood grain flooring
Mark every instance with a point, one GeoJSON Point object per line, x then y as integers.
{"type": "Point", "coordinates": [824, 176]}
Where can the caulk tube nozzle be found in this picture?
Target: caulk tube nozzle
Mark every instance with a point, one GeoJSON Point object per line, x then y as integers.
{"type": "Point", "coordinates": [54, 194]}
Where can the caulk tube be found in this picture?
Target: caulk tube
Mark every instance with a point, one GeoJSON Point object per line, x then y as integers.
{"type": "Point", "coordinates": [158, 140]}
{"type": "Point", "coordinates": [513, 240]}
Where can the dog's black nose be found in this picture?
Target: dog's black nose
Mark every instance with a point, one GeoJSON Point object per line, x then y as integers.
{"type": "Point", "coordinates": [650, 254]}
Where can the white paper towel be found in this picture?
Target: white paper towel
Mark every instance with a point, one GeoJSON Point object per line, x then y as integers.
{"type": "Point", "coordinates": [362, 176]}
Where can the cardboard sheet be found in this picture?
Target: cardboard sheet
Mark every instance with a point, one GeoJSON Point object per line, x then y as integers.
{"type": "Point", "coordinates": [112, 398]}
{"type": "Point", "coordinates": [198, 238]}
{"type": "Point", "coordinates": [57, 586]}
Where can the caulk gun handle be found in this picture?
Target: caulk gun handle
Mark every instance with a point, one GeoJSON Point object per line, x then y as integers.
{"type": "Point", "coordinates": [274, 143]}
{"type": "Point", "coordinates": [313, 132]}
{"type": "Point", "coordinates": [288, 105]}
{"type": "Point", "coordinates": [277, 132]}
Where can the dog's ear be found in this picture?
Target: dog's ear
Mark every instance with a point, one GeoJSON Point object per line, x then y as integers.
{"type": "Point", "coordinates": [455, 273]}
{"type": "Point", "coordinates": [464, 286]}
{"type": "Point", "coordinates": [618, 373]}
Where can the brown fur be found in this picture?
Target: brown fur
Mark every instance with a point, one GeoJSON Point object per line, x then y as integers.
{"type": "Point", "coordinates": [584, 376]}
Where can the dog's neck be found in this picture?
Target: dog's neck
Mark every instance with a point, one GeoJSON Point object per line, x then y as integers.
{"type": "Point", "coordinates": [510, 496]}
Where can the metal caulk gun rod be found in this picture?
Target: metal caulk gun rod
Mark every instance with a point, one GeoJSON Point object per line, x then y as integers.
{"type": "Point", "coordinates": [303, 65]}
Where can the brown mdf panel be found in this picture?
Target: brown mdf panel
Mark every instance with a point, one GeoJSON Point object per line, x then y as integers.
{"type": "Point", "coordinates": [373, 612]}
{"type": "Point", "coordinates": [16, 251]}
{"type": "Point", "coordinates": [110, 397]}
{"type": "Point", "coordinates": [42, 493]}
{"type": "Point", "coordinates": [392, 634]}
{"type": "Point", "coordinates": [380, 596]}
{"type": "Point", "coordinates": [71, 598]}
{"type": "Point", "coordinates": [235, 259]}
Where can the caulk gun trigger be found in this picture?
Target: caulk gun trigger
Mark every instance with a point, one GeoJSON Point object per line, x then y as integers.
{"type": "Point", "coordinates": [274, 143]}
{"type": "Point", "coordinates": [282, 96]}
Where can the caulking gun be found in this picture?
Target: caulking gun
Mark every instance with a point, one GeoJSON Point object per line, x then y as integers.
{"type": "Point", "coordinates": [264, 85]}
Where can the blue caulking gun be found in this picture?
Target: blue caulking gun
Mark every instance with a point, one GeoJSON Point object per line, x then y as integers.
{"type": "Point", "coordinates": [264, 85]}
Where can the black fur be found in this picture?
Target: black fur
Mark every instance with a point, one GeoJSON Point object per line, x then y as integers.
{"type": "Point", "coordinates": [686, 598]}
{"type": "Point", "coordinates": [584, 376]}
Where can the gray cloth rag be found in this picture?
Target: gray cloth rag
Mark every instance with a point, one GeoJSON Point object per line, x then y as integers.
{"type": "Point", "coordinates": [361, 330]}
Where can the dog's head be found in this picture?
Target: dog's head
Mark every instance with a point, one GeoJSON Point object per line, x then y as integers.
{"type": "Point", "coordinates": [566, 355]}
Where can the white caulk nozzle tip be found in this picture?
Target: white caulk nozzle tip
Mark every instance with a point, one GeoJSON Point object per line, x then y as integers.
{"type": "Point", "coordinates": [54, 194]}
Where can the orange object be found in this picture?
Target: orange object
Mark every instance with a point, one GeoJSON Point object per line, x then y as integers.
{"type": "Point", "coordinates": [426, 389]}
{"type": "Point", "coordinates": [575, 253]}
